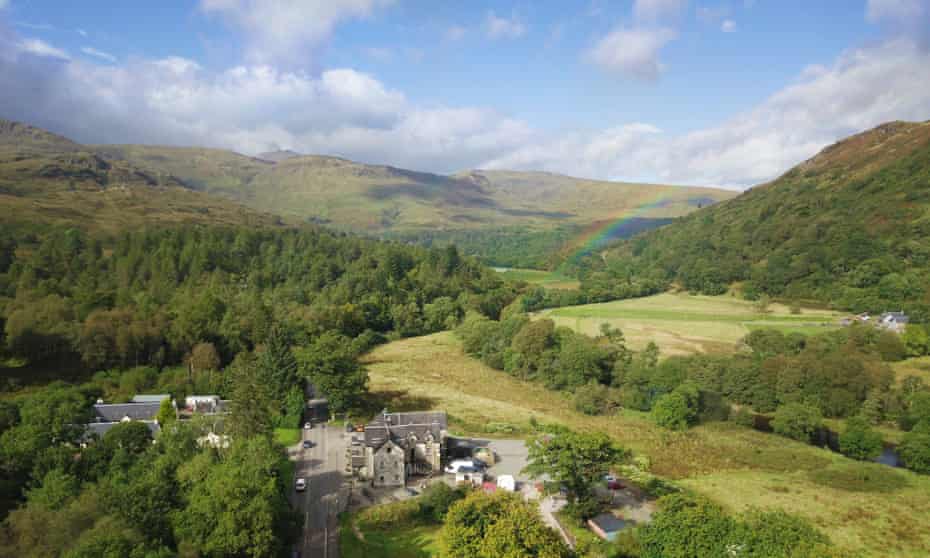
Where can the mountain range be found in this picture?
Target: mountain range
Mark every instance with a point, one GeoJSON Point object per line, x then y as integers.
{"type": "Point", "coordinates": [47, 177]}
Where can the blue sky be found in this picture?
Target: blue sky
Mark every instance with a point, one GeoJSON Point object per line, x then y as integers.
{"type": "Point", "coordinates": [723, 92]}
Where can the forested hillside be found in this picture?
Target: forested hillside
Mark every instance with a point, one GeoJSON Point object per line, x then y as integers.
{"type": "Point", "coordinates": [153, 295]}
{"type": "Point", "coordinates": [850, 227]}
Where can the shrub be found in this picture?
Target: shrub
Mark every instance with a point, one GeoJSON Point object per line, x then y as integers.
{"type": "Point", "coordinates": [915, 448]}
{"type": "Point", "coordinates": [797, 421]}
{"type": "Point", "coordinates": [686, 526]}
{"type": "Point", "coordinates": [744, 417]}
{"type": "Point", "coordinates": [859, 441]}
{"type": "Point", "coordinates": [436, 500]}
{"type": "Point", "coordinates": [679, 409]}
{"type": "Point", "coordinates": [592, 399]}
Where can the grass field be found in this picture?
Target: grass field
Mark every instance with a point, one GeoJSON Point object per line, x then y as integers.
{"type": "Point", "coordinates": [919, 367]}
{"type": "Point", "coordinates": [547, 279]}
{"type": "Point", "coordinates": [687, 324]}
{"type": "Point", "coordinates": [885, 513]}
{"type": "Point", "coordinates": [387, 531]}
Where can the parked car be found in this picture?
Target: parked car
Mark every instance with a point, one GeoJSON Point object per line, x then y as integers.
{"type": "Point", "coordinates": [613, 483]}
{"type": "Point", "coordinates": [459, 464]}
{"type": "Point", "coordinates": [308, 444]}
{"type": "Point", "coordinates": [300, 485]}
{"type": "Point", "coordinates": [307, 425]}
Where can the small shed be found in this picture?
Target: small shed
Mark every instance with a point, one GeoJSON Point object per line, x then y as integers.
{"type": "Point", "coordinates": [607, 526]}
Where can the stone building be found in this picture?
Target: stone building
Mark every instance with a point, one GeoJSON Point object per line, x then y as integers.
{"type": "Point", "coordinates": [396, 446]}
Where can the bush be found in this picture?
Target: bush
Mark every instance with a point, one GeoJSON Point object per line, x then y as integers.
{"type": "Point", "coordinates": [436, 500]}
{"type": "Point", "coordinates": [686, 526]}
{"type": "Point", "coordinates": [859, 441]}
{"type": "Point", "coordinates": [592, 399]}
{"type": "Point", "coordinates": [797, 421]}
{"type": "Point", "coordinates": [390, 516]}
{"type": "Point", "coordinates": [744, 417]}
{"type": "Point", "coordinates": [677, 410]}
{"type": "Point", "coordinates": [915, 448]}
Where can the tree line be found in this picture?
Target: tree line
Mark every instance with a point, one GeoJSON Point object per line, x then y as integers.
{"type": "Point", "coordinates": [796, 379]}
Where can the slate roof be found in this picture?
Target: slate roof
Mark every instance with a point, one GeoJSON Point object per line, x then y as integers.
{"type": "Point", "coordinates": [115, 412]}
{"type": "Point", "coordinates": [608, 522]}
{"type": "Point", "coordinates": [153, 398]}
{"type": "Point", "coordinates": [399, 426]}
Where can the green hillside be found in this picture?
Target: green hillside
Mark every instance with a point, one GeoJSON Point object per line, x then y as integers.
{"type": "Point", "coordinates": [849, 227]}
{"type": "Point", "coordinates": [380, 199]}
{"type": "Point", "coordinates": [49, 180]}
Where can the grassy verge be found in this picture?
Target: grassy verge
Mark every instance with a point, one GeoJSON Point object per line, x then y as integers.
{"type": "Point", "coordinates": [735, 466]}
{"type": "Point", "coordinates": [387, 531]}
{"type": "Point", "coordinates": [686, 324]}
{"type": "Point", "coordinates": [287, 436]}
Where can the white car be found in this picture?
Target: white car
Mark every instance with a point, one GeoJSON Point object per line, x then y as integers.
{"type": "Point", "coordinates": [300, 485]}
{"type": "Point", "coordinates": [454, 467]}
{"type": "Point", "coordinates": [307, 425]}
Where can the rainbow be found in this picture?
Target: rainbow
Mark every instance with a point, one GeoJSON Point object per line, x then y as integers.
{"type": "Point", "coordinates": [600, 233]}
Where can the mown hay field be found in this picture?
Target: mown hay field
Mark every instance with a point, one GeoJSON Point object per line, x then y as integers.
{"type": "Point", "coordinates": [681, 323]}
{"type": "Point", "coordinates": [866, 509]}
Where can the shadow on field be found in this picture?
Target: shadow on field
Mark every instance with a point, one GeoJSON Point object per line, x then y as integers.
{"type": "Point", "coordinates": [395, 401]}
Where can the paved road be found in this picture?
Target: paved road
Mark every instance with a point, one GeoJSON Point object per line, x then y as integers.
{"type": "Point", "coordinates": [322, 466]}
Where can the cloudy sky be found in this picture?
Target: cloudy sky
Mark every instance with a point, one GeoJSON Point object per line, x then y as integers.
{"type": "Point", "coordinates": [717, 92]}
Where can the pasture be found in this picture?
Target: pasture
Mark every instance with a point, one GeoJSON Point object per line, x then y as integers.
{"type": "Point", "coordinates": [547, 279]}
{"type": "Point", "coordinates": [886, 511]}
{"type": "Point", "coordinates": [681, 323]}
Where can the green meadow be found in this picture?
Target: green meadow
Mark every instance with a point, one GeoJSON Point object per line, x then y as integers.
{"type": "Point", "coordinates": [685, 324]}
{"type": "Point", "coordinates": [547, 279]}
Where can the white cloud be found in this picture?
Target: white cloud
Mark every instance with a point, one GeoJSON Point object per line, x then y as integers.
{"type": "Point", "coordinates": [39, 47]}
{"type": "Point", "coordinates": [454, 33]}
{"type": "Point", "coordinates": [654, 10]}
{"type": "Point", "coordinates": [503, 28]}
{"type": "Point", "coordinates": [81, 32]}
{"type": "Point", "coordinates": [632, 51]}
{"type": "Point", "coordinates": [728, 26]}
{"type": "Point", "coordinates": [91, 51]}
{"type": "Point", "coordinates": [863, 88]}
{"type": "Point", "coordinates": [253, 108]}
{"type": "Point", "coordinates": [287, 31]}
